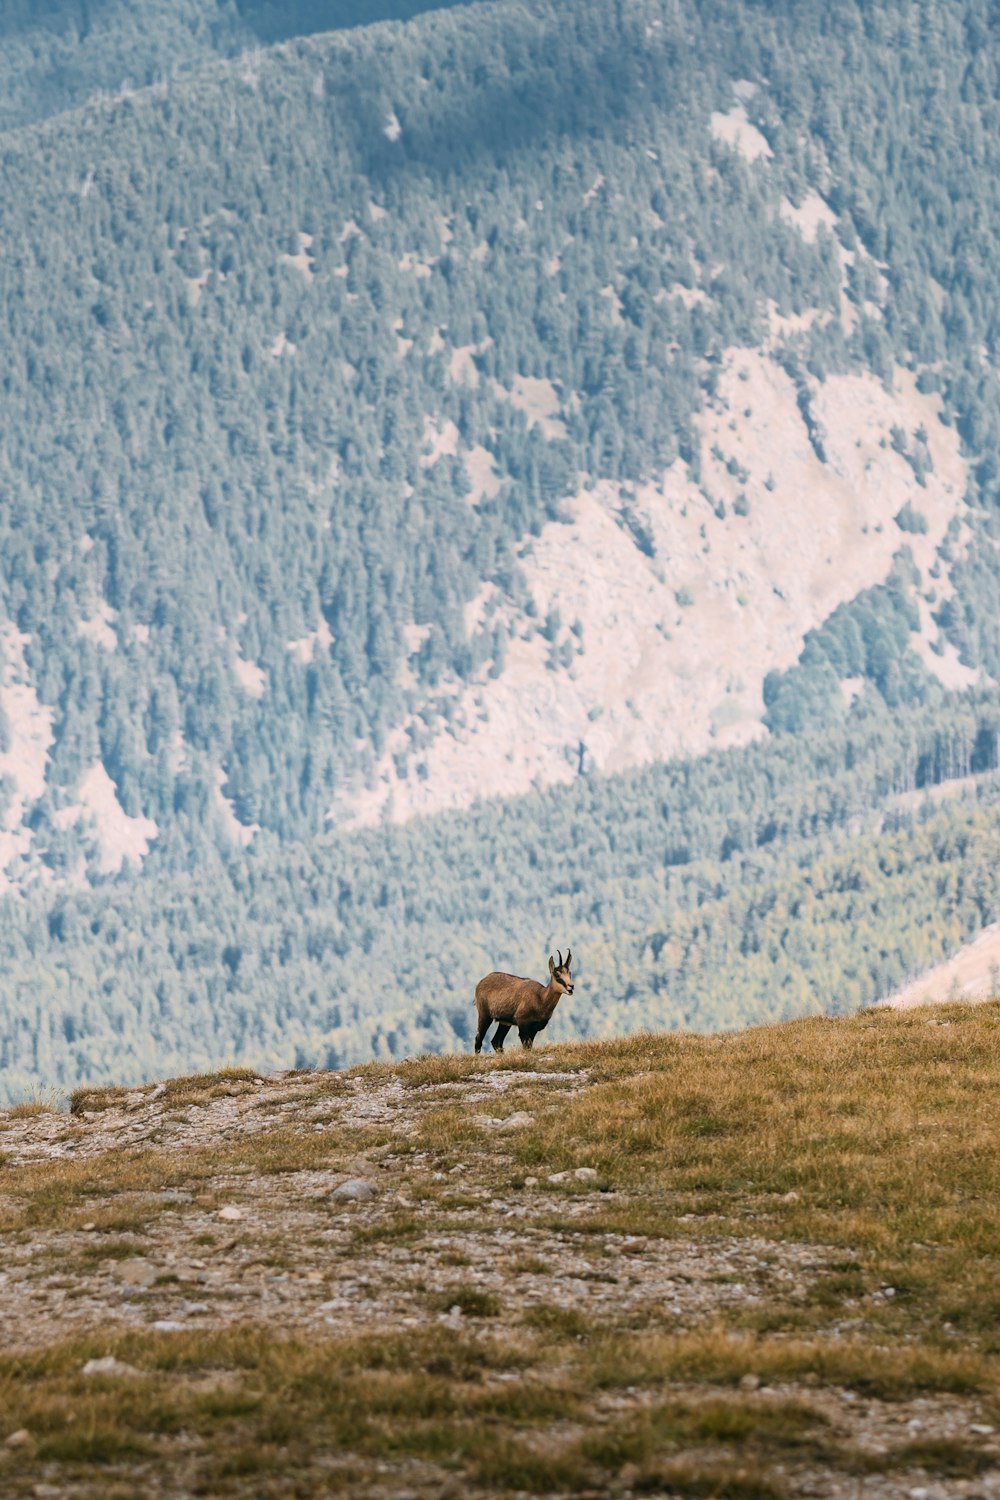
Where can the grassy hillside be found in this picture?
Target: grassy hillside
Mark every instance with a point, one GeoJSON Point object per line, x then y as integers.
{"type": "Point", "coordinates": [747, 1266]}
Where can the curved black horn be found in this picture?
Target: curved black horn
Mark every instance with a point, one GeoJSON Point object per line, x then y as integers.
{"type": "Point", "coordinates": [569, 955]}
{"type": "Point", "coordinates": [560, 963]}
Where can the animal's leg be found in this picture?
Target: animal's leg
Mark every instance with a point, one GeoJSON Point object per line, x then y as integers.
{"type": "Point", "coordinates": [502, 1029]}
{"type": "Point", "coordinates": [527, 1035]}
{"type": "Point", "coordinates": [481, 1030]}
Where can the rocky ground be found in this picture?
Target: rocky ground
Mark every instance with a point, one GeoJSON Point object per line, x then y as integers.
{"type": "Point", "coordinates": [667, 1348]}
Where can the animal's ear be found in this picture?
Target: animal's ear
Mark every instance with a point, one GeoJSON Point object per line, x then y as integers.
{"type": "Point", "coordinates": [552, 964]}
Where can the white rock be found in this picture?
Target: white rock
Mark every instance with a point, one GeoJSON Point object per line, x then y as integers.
{"type": "Point", "coordinates": [557, 1177]}
{"type": "Point", "coordinates": [983, 1428]}
{"type": "Point", "coordinates": [20, 1439]}
{"type": "Point", "coordinates": [354, 1190]}
{"type": "Point", "coordinates": [512, 1122]}
{"type": "Point", "coordinates": [230, 1213]}
{"type": "Point", "coordinates": [111, 1366]}
{"type": "Point", "coordinates": [585, 1174]}
{"type": "Point", "coordinates": [136, 1272]}
{"type": "Point", "coordinates": [168, 1325]}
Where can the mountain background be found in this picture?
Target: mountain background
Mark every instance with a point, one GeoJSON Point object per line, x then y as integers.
{"type": "Point", "coordinates": [480, 478]}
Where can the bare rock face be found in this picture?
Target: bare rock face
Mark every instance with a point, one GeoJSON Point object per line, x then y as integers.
{"type": "Point", "coordinates": [675, 606]}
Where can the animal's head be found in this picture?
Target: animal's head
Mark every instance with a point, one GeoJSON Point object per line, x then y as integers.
{"type": "Point", "coordinates": [560, 971]}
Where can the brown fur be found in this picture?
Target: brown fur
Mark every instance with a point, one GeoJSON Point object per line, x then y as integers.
{"type": "Point", "coordinates": [524, 1003]}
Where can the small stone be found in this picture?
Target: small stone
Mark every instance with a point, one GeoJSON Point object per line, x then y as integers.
{"type": "Point", "coordinates": [111, 1366]}
{"type": "Point", "coordinates": [230, 1213]}
{"type": "Point", "coordinates": [557, 1177]}
{"type": "Point", "coordinates": [354, 1190]}
{"type": "Point", "coordinates": [810, 1378]}
{"type": "Point", "coordinates": [136, 1272]}
{"type": "Point", "coordinates": [531, 1182]}
{"type": "Point", "coordinates": [750, 1383]}
{"type": "Point", "coordinates": [175, 1195]}
{"type": "Point", "coordinates": [20, 1439]}
{"type": "Point", "coordinates": [982, 1428]}
{"type": "Point", "coordinates": [516, 1122]}
{"type": "Point", "coordinates": [791, 1197]}
{"type": "Point", "coordinates": [168, 1325]}
{"type": "Point", "coordinates": [89, 1227]}
{"type": "Point", "coordinates": [585, 1174]}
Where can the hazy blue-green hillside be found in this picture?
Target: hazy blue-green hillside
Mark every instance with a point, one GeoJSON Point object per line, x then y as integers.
{"type": "Point", "coordinates": [315, 336]}
{"type": "Point", "coordinates": [775, 881]}
{"type": "Point", "coordinates": [58, 54]}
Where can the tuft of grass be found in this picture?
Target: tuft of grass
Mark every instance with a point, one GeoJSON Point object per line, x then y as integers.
{"type": "Point", "coordinates": [96, 1100]}
{"type": "Point", "coordinates": [949, 1457]}
{"type": "Point", "coordinates": [720, 1357]}
{"type": "Point", "coordinates": [28, 1109]}
{"type": "Point", "coordinates": [472, 1301]}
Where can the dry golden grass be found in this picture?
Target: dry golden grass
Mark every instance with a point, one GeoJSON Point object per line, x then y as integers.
{"type": "Point", "coordinates": [28, 1109]}
{"type": "Point", "coordinates": [198, 1088]}
{"type": "Point", "coordinates": [871, 1138]}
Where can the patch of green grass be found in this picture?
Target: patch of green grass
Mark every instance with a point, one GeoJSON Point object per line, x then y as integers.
{"type": "Point", "coordinates": [722, 1358]}
{"type": "Point", "coordinates": [472, 1301]}
{"type": "Point", "coordinates": [566, 1322]}
{"type": "Point", "coordinates": [455, 1258]}
{"type": "Point", "coordinates": [952, 1458]}
{"type": "Point", "coordinates": [531, 1265]}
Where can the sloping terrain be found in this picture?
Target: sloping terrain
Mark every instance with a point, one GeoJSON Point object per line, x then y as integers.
{"type": "Point", "coordinates": [973, 973]}
{"type": "Point", "coordinates": [748, 1266]}
{"type": "Point", "coordinates": [672, 600]}
{"type": "Point", "coordinates": [412, 413]}
{"type": "Point", "coordinates": [472, 414]}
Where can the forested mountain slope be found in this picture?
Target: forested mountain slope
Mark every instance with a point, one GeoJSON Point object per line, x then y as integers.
{"type": "Point", "coordinates": [765, 882]}
{"type": "Point", "coordinates": [58, 54]}
{"type": "Point", "coordinates": [502, 274]}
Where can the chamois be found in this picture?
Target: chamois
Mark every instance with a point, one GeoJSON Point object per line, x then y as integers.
{"type": "Point", "coordinates": [523, 1003]}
